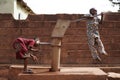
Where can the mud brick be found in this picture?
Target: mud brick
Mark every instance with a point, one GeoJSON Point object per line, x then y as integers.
{"type": "Point", "coordinates": [111, 17]}
{"type": "Point", "coordinates": [84, 53]}
{"type": "Point", "coordinates": [76, 31]}
{"type": "Point", "coordinates": [45, 48]}
{"type": "Point", "coordinates": [107, 47]}
{"type": "Point", "coordinates": [35, 24]}
{"type": "Point", "coordinates": [16, 23]}
{"type": "Point", "coordinates": [41, 24]}
{"type": "Point", "coordinates": [115, 46]}
{"type": "Point", "coordinates": [73, 39]}
{"type": "Point", "coordinates": [76, 16]}
{"type": "Point", "coordinates": [110, 60]}
{"type": "Point", "coordinates": [104, 31]}
{"type": "Point", "coordinates": [107, 24]}
{"type": "Point", "coordinates": [6, 16]}
{"type": "Point", "coordinates": [9, 31]}
{"type": "Point", "coordinates": [116, 38]}
{"type": "Point", "coordinates": [114, 31]}
{"type": "Point", "coordinates": [108, 39]}
{"type": "Point", "coordinates": [5, 60]}
{"type": "Point", "coordinates": [64, 16]}
{"type": "Point", "coordinates": [112, 46]}
{"type": "Point", "coordinates": [77, 53]}
{"type": "Point", "coordinates": [50, 17]}
{"type": "Point", "coordinates": [76, 60]}
{"type": "Point", "coordinates": [36, 31]}
{"type": "Point", "coordinates": [49, 25]}
{"type": "Point", "coordinates": [6, 52]}
{"type": "Point", "coordinates": [35, 18]}
{"type": "Point", "coordinates": [76, 46]}
{"type": "Point", "coordinates": [83, 46]}
{"type": "Point", "coordinates": [42, 17]}
{"type": "Point", "coordinates": [114, 60]}
{"type": "Point", "coordinates": [73, 25]}
{"type": "Point", "coordinates": [84, 60]}
{"type": "Point", "coordinates": [70, 60]}
{"type": "Point", "coordinates": [7, 39]}
{"type": "Point", "coordinates": [81, 24]}
{"type": "Point", "coordinates": [6, 24]}
{"type": "Point", "coordinates": [113, 53]}
{"type": "Point", "coordinates": [23, 23]}
{"type": "Point", "coordinates": [117, 24]}
{"type": "Point", "coordinates": [4, 45]}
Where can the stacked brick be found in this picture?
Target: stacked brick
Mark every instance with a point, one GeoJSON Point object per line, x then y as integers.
{"type": "Point", "coordinates": [75, 49]}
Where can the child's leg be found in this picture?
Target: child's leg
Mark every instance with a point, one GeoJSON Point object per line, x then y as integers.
{"type": "Point", "coordinates": [26, 70]}
{"type": "Point", "coordinates": [101, 48]}
{"type": "Point", "coordinates": [91, 43]}
{"type": "Point", "coordinates": [25, 64]}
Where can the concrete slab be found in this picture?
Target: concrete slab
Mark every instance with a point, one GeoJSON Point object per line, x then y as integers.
{"type": "Point", "coordinates": [79, 73]}
{"type": "Point", "coordinates": [113, 76]}
{"type": "Point", "coordinates": [16, 69]}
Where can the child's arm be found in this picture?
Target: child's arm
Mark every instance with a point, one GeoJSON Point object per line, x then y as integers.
{"type": "Point", "coordinates": [87, 16]}
{"type": "Point", "coordinates": [101, 21]}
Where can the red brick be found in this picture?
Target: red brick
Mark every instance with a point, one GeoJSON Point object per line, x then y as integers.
{"type": "Point", "coordinates": [112, 46]}
{"type": "Point", "coordinates": [114, 53]}
{"type": "Point", "coordinates": [6, 16]}
{"type": "Point", "coordinates": [23, 23]}
{"type": "Point", "coordinates": [117, 24]}
{"type": "Point", "coordinates": [74, 39]}
{"type": "Point", "coordinates": [75, 31]}
{"type": "Point", "coordinates": [10, 31]}
{"type": "Point", "coordinates": [36, 24]}
{"type": "Point", "coordinates": [112, 31]}
{"type": "Point", "coordinates": [35, 18]}
{"type": "Point", "coordinates": [107, 24]}
{"type": "Point", "coordinates": [110, 60]}
{"type": "Point", "coordinates": [111, 17]}
{"type": "Point", "coordinates": [6, 24]}
{"type": "Point", "coordinates": [76, 46]}
{"type": "Point", "coordinates": [63, 16]}
{"type": "Point", "coordinates": [42, 17]}
{"type": "Point", "coordinates": [77, 53]}
{"type": "Point", "coordinates": [116, 38]}
{"type": "Point", "coordinates": [106, 39]}
{"type": "Point", "coordinates": [36, 31]}
{"type": "Point", "coordinates": [50, 18]}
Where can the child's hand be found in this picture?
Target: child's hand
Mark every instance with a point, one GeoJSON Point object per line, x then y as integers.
{"type": "Point", "coordinates": [34, 58]}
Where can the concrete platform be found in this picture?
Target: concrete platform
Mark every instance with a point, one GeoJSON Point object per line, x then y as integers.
{"type": "Point", "coordinates": [80, 73]}
{"type": "Point", "coordinates": [113, 76]}
{"type": "Point", "coordinates": [71, 73]}
{"type": "Point", "coordinates": [16, 69]}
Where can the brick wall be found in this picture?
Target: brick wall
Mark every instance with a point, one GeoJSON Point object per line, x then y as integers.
{"type": "Point", "coordinates": [75, 50]}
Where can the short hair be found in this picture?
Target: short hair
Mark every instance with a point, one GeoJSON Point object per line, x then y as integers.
{"type": "Point", "coordinates": [92, 10]}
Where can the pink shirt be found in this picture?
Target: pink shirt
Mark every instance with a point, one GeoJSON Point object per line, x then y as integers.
{"type": "Point", "coordinates": [23, 44]}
